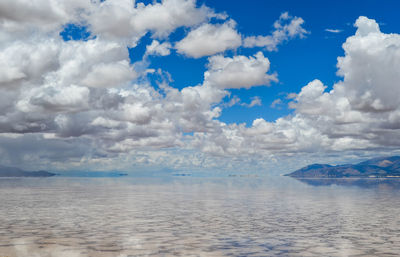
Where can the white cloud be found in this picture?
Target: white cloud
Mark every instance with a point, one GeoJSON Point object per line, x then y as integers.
{"type": "Point", "coordinates": [155, 48]}
{"type": "Point", "coordinates": [255, 101]}
{"type": "Point", "coordinates": [170, 14]}
{"type": "Point", "coordinates": [119, 19]}
{"type": "Point", "coordinates": [276, 103]}
{"type": "Point", "coordinates": [68, 98]}
{"type": "Point", "coordinates": [47, 14]}
{"type": "Point", "coordinates": [287, 27]}
{"type": "Point", "coordinates": [24, 61]}
{"type": "Point", "coordinates": [291, 95]}
{"type": "Point", "coordinates": [235, 100]}
{"type": "Point", "coordinates": [209, 39]}
{"type": "Point", "coordinates": [333, 30]}
{"type": "Point", "coordinates": [238, 72]}
{"type": "Point", "coordinates": [110, 74]}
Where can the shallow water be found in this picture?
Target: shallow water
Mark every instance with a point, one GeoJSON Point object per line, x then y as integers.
{"type": "Point", "coordinates": [187, 216]}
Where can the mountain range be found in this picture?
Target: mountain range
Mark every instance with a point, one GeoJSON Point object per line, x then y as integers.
{"type": "Point", "coordinates": [383, 167]}
{"type": "Point", "coordinates": [16, 172]}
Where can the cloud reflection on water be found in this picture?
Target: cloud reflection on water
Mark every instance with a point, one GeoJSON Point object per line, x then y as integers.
{"type": "Point", "coordinates": [195, 216]}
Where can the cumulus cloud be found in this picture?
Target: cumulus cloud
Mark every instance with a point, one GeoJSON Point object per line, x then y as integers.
{"type": "Point", "coordinates": [238, 72]}
{"type": "Point", "coordinates": [109, 74]}
{"type": "Point", "coordinates": [155, 48]}
{"type": "Point", "coordinates": [51, 61]}
{"type": "Point", "coordinates": [119, 19]}
{"type": "Point", "coordinates": [21, 17]}
{"type": "Point", "coordinates": [209, 39]}
{"type": "Point", "coordinates": [286, 27]}
{"type": "Point", "coordinates": [27, 61]}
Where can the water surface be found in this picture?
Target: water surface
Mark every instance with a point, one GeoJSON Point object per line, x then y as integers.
{"type": "Point", "coordinates": [188, 216]}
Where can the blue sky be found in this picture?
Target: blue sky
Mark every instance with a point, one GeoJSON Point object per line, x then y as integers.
{"type": "Point", "coordinates": [207, 85]}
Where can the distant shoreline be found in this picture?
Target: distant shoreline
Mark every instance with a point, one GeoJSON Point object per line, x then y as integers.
{"type": "Point", "coordinates": [383, 167]}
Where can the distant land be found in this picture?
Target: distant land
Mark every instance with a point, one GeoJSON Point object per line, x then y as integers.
{"type": "Point", "coordinates": [16, 172]}
{"type": "Point", "coordinates": [383, 167]}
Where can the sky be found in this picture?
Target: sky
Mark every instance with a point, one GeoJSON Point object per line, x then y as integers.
{"type": "Point", "coordinates": [261, 86]}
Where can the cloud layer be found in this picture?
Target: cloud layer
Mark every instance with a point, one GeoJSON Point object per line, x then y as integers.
{"type": "Point", "coordinates": [83, 103]}
{"type": "Point", "coordinates": [210, 39]}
